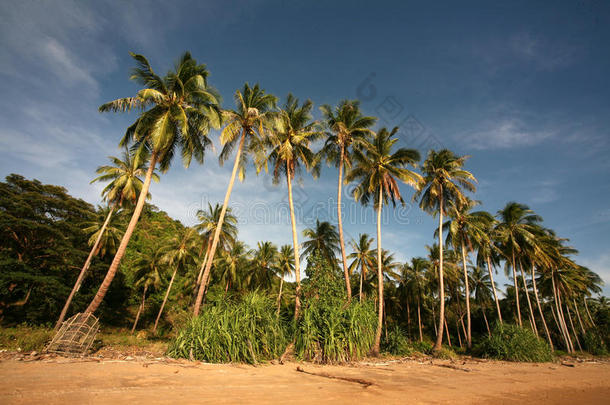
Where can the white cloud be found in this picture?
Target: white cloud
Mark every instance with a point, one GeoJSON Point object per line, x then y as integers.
{"type": "Point", "coordinates": [65, 65]}
{"type": "Point", "coordinates": [601, 266]}
{"type": "Point", "coordinates": [543, 53]}
{"type": "Point", "coordinates": [505, 134]}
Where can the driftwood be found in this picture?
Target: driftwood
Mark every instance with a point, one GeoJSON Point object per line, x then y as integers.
{"type": "Point", "coordinates": [365, 383]}
{"type": "Point", "coordinates": [451, 366]}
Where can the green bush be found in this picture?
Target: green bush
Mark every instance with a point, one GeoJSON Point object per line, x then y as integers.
{"type": "Point", "coordinates": [25, 338]}
{"type": "Point", "coordinates": [424, 347]}
{"type": "Point", "coordinates": [512, 343]}
{"type": "Point", "coordinates": [396, 343]}
{"type": "Point", "coordinates": [594, 344]}
{"type": "Point", "coordinates": [247, 330]}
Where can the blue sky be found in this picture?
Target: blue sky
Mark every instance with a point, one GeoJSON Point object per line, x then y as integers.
{"type": "Point", "coordinates": [522, 87]}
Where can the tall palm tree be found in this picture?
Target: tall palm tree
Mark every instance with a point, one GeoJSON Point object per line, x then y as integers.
{"type": "Point", "coordinates": [488, 255]}
{"type": "Point", "coordinates": [148, 270]}
{"type": "Point", "coordinates": [289, 146]}
{"type": "Point", "coordinates": [264, 263]}
{"type": "Point", "coordinates": [180, 252]}
{"type": "Point", "coordinates": [414, 279]}
{"type": "Point", "coordinates": [105, 236]}
{"type": "Point", "coordinates": [177, 111]}
{"type": "Point", "coordinates": [322, 240]}
{"type": "Point", "coordinates": [346, 126]}
{"type": "Point", "coordinates": [231, 262]}
{"type": "Point", "coordinates": [482, 291]}
{"type": "Point", "coordinates": [124, 185]}
{"type": "Point", "coordinates": [444, 181]}
{"type": "Point", "coordinates": [284, 268]}
{"type": "Point", "coordinates": [253, 114]}
{"type": "Point", "coordinates": [363, 257]}
{"type": "Point", "coordinates": [377, 170]}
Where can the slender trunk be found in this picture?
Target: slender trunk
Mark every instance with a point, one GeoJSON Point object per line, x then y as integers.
{"type": "Point", "coordinates": [340, 221]}
{"type": "Point", "coordinates": [81, 275]}
{"type": "Point", "coordinates": [279, 295]}
{"type": "Point", "coordinates": [558, 319]}
{"type": "Point", "coordinates": [486, 323]}
{"type": "Point", "coordinates": [546, 328]}
{"type": "Point", "coordinates": [582, 327]}
{"type": "Point", "coordinates": [468, 336]}
{"type": "Point", "coordinates": [208, 265]}
{"type": "Point", "coordinates": [441, 288]}
{"type": "Point", "coordinates": [562, 321]}
{"type": "Point", "coordinates": [169, 288]}
{"type": "Point", "coordinates": [295, 243]}
{"type": "Point", "coordinates": [516, 289]}
{"type": "Point", "coordinates": [361, 279]}
{"type": "Point", "coordinates": [375, 350]}
{"type": "Point", "coordinates": [408, 318]}
{"type": "Point", "coordinates": [588, 313]}
{"type": "Point", "coordinates": [421, 337]}
{"type": "Point", "coordinates": [434, 321]}
{"type": "Point", "coordinates": [205, 260]}
{"type": "Point", "coordinates": [573, 328]}
{"type": "Point", "coordinates": [462, 323]}
{"type": "Point", "coordinates": [99, 296]}
{"type": "Point", "coordinates": [459, 335]}
{"type": "Point", "coordinates": [447, 331]}
{"type": "Point", "coordinates": [493, 286]}
{"type": "Point", "coordinates": [529, 302]}
{"type": "Point", "coordinates": [135, 323]}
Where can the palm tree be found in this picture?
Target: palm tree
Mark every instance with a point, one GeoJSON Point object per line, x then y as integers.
{"type": "Point", "coordinates": [414, 279]}
{"type": "Point", "coordinates": [208, 221]}
{"type": "Point", "coordinates": [289, 151]}
{"type": "Point", "coordinates": [263, 265]}
{"type": "Point", "coordinates": [346, 126]}
{"type": "Point", "coordinates": [231, 262]}
{"type": "Point", "coordinates": [322, 240]}
{"type": "Point", "coordinates": [124, 185]}
{"type": "Point", "coordinates": [106, 235]}
{"type": "Point", "coordinates": [284, 268]}
{"type": "Point", "coordinates": [444, 179]}
{"type": "Point", "coordinates": [148, 269]}
{"type": "Point", "coordinates": [177, 112]}
{"type": "Point", "coordinates": [363, 258]}
{"type": "Point", "coordinates": [377, 170]}
{"type": "Point", "coordinates": [481, 288]}
{"type": "Point", "coordinates": [252, 116]}
{"type": "Point", "coordinates": [487, 255]}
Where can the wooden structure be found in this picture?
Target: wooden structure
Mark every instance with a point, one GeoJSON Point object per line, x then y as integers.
{"type": "Point", "coordinates": [75, 336]}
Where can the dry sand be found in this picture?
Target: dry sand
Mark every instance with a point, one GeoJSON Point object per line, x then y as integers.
{"type": "Point", "coordinates": [413, 381]}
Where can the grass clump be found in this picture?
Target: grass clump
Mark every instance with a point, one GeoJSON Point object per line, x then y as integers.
{"type": "Point", "coordinates": [594, 344]}
{"type": "Point", "coordinates": [25, 338]}
{"type": "Point", "coordinates": [246, 330]}
{"type": "Point", "coordinates": [512, 343]}
{"type": "Point", "coordinates": [396, 343]}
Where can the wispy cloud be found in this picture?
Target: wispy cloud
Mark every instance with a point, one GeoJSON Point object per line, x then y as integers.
{"type": "Point", "coordinates": [542, 52]}
{"type": "Point", "coordinates": [504, 134]}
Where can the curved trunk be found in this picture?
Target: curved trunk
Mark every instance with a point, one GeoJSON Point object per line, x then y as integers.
{"type": "Point", "coordinates": [516, 289]}
{"type": "Point", "coordinates": [408, 319]}
{"type": "Point", "coordinates": [205, 260]}
{"type": "Point", "coordinates": [582, 327]}
{"type": "Point", "coordinates": [447, 331]}
{"type": "Point", "coordinates": [169, 288]}
{"type": "Point", "coordinates": [546, 328]}
{"type": "Point", "coordinates": [375, 349]}
{"type": "Point", "coordinates": [588, 312]}
{"type": "Point", "coordinates": [208, 265]}
{"type": "Point", "coordinates": [421, 337]}
{"type": "Point", "coordinates": [279, 295]}
{"type": "Point", "coordinates": [295, 243]}
{"type": "Point", "coordinates": [81, 275]}
{"type": "Point", "coordinates": [572, 326]}
{"type": "Point", "coordinates": [99, 296]}
{"type": "Point", "coordinates": [459, 335]}
{"type": "Point", "coordinates": [140, 308]}
{"type": "Point", "coordinates": [441, 287]}
{"type": "Point", "coordinates": [486, 323]}
{"type": "Point", "coordinates": [529, 303]}
{"type": "Point", "coordinates": [493, 286]}
{"type": "Point", "coordinates": [562, 329]}
{"type": "Point", "coordinates": [468, 336]}
{"type": "Point", "coordinates": [340, 222]}
{"type": "Point", "coordinates": [361, 280]}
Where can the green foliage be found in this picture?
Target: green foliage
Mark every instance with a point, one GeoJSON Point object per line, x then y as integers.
{"type": "Point", "coordinates": [396, 343]}
{"type": "Point", "coordinates": [424, 347]}
{"type": "Point", "coordinates": [512, 343]}
{"type": "Point", "coordinates": [24, 338]}
{"type": "Point", "coordinates": [247, 330]}
{"type": "Point", "coordinates": [594, 344]}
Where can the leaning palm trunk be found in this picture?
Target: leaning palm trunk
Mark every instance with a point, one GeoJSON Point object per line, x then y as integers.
{"type": "Point", "coordinates": [441, 289]}
{"type": "Point", "coordinates": [340, 223]}
{"type": "Point", "coordinates": [516, 289]}
{"type": "Point", "coordinates": [169, 288]}
{"type": "Point", "coordinates": [493, 286]}
{"type": "Point", "coordinates": [205, 260]}
{"type": "Point", "coordinates": [279, 295]}
{"type": "Point", "coordinates": [375, 349]}
{"type": "Point", "coordinates": [529, 302]}
{"type": "Point", "coordinates": [208, 265]}
{"type": "Point", "coordinates": [81, 275]}
{"type": "Point", "coordinates": [421, 337]}
{"type": "Point", "coordinates": [572, 326]}
{"type": "Point", "coordinates": [561, 318]}
{"type": "Point", "coordinates": [140, 308]}
{"type": "Point", "coordinates": [362, 274]}
{"type": "Point", "coordinates": [588, 312]}
{"type": "Point", "coordinates": [468, 336]}
{"type": "Point", "coordinates": [295, 243]}
{"type": "Point", "coordinates": [447, 331]}
{"type": "Point", "coordinates": [582, 327]}
{"type": "Point", "coordinates": [99, 296]}
{"type": "Point", "coordinates": [546, 329]}
{"type": "Point", "coordinates": [486, 323]}
{"type": "Point", "coordinates": [558, 318]}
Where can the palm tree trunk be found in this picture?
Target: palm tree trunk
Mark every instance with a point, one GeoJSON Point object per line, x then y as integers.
{"type": "Point", "coordinates": [361, 279]}
{"type": "Point", "coordinates": [434, 321]}
{"type": "Point", "coordinates": [447, 331]}
{"type": "Point", "coordinates": [208, 265]}
{"type": "Point", "coordinates": [493, 286]}
{"type": "Point", "coordinates": [169, 288]}
{"type": "Point", "coordinates": [529, 302]}
{"type": "Point", "coordinates": [582, 327]}
{"type": "Point", "coordinates": [546, 328]}
{"type": "Point", "coordinates": [99, 296]}
{"type": "Point", "coordinates": [588, 313]}
{"type": "Point", "coordinates": [516, 289]}
{"type": "Point", "coordinates": [205, 260]}
{"type": "Point", "coordinates": [295, 243]}
{"type": "Point", "coordinates": [441, 288]}
{"type": "Point", "coordinates": [279, 295]}
{"type": "Point", "coordinates": [558, 318]}
{"type": "Point", "coordinates": [459, 335]}
{"type": "Point", "coordinates": [562, 321]}
{"type": "Point", "coordinates": [135, 323]}
{"type": "Point", "coordinates": [573, 329]}
{"type": "Point", "coordinates": [375, 349]}
{"type": "Point", "coordinates": [421, 337]}
{"type": "Point", "coordinates": [408, 319]}
{"type": "Point", "coordinates": [340, 222]}
{"type": "Point", "coordinates": [486, 323]}
{"type": "Point", "coordinates": [81, 275]}
{"type": "Point", "coordinates": [468, 336]}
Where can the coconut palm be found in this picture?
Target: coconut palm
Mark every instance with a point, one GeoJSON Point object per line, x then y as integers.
{"type": "Point", "coordinates": [414, 279]}
{"type": "Point", "coordinates": [444, 180]}
{"type": "Point", "coordinates": [363, 258]}
{"type": "Point", "coordinates": [231, 262]}
{"type": "Point", "coordinates": [377, 169]}
{"type": "Point", "coordinates": [284, 268]}
{"type": "Point", "coordinates": [289, 151]}
{"type": "Point", "coordinates": [482, 291]}
{"type": "Point", "coordinates": [488, 255]}
{"type": "Point", "coordinates": [346, 126]}
{"type": "Point", "coordinates": [177, 111]}
{"type": "Point", "coordinates": [263, 265]}
{"type": "Point", "coordinates": [148, 275]}
{"type": "Point", "coordinates": [322, 240]}
{"type": "Point", "coordinates": [181, 252]}
{"type": "Point", "coordinates": [124, 186]}
{"type": "Point", "coordinates": [250, 119]}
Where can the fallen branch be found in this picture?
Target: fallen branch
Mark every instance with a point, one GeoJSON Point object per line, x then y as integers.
{"type": "Point", "coordinates": [360, 381]}
{"type": "Point", "coordinates": [451, 366]}
{"type": "Point", "coordinates": [567, 364]}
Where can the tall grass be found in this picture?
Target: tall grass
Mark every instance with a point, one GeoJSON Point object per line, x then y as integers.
{"type": "Point", "coordinates": [510, 342]}
{"type": "Point", "coordinates": [247, 330]}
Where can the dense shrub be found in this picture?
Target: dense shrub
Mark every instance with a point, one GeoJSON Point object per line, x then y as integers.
{"type": "Point", "coordinates": [24, 338]}
{"type": "Point", "coordinates": [594, 344]}
{"type": "Point", "coordinates": [424, 347]}
{"type": "Point", "coordinates": [246, 330]}
{"type": "Point", "coordinates": [510, 342]}
{"type": "Point", "coordinates": [396, 343]}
